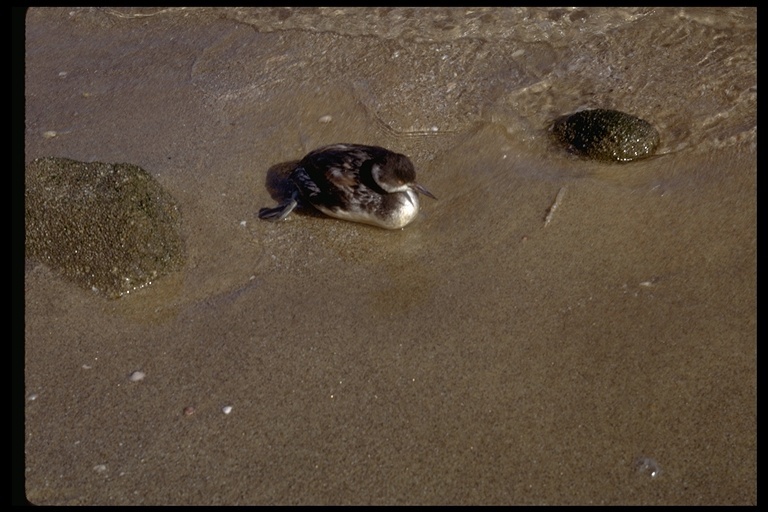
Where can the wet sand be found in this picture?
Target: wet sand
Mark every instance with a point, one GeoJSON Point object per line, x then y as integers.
{"type": "Point", "coordinates": [475, 357]}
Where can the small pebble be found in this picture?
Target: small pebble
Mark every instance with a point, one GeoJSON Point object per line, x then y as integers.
{"type": "Point", "coordinates": [100, 468]}
{"type": "Point", "coordinates": [325, 119]}
{"type": "Point", "coordinates": [608, 135]}
{"type": "Point", "coordinates": [189, 410]}
{"type": "Point", "coordinates": [136, 376]}
{"type": "Point", "coordinates": [647, 466]}
{"type": "Point", "coordinates": [227, 409]}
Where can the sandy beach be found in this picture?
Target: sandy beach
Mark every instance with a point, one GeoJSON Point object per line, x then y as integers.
{"type": "Point", "coordinates": [488, 353]}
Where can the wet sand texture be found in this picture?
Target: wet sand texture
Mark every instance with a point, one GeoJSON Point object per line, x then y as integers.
{"type": "Point", "coordinates": [553, 330]}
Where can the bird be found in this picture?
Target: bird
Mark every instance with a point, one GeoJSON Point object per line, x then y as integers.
{"type": "Point", "coordinates": [355, 182]}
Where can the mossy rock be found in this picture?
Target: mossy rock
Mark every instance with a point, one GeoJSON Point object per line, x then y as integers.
{"type": "Point", "coordinates": [603, 134]}
{"type": "Point", "coordinates": [108, 227]}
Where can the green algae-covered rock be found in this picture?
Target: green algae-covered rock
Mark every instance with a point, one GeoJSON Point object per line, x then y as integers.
{"type": "Point", "coordinates": [607, 135]}
{"type": "Point", "coordinates": [108, 227]}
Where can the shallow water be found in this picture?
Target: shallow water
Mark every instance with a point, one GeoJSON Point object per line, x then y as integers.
{"type": "Point", "coordinates": [476, 356]}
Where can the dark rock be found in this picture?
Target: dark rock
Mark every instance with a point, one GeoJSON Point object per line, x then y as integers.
{"type": "Point", "coordinates": [607, 135]}
{"type": "Point", "coordinates": [108, 227]}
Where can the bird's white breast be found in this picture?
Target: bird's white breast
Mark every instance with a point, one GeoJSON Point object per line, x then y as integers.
{"type": "Point", "coordinates": [394, 215]}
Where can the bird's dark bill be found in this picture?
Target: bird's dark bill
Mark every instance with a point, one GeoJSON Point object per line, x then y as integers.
{"type": "Point", "coordinates": [424, 191]}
